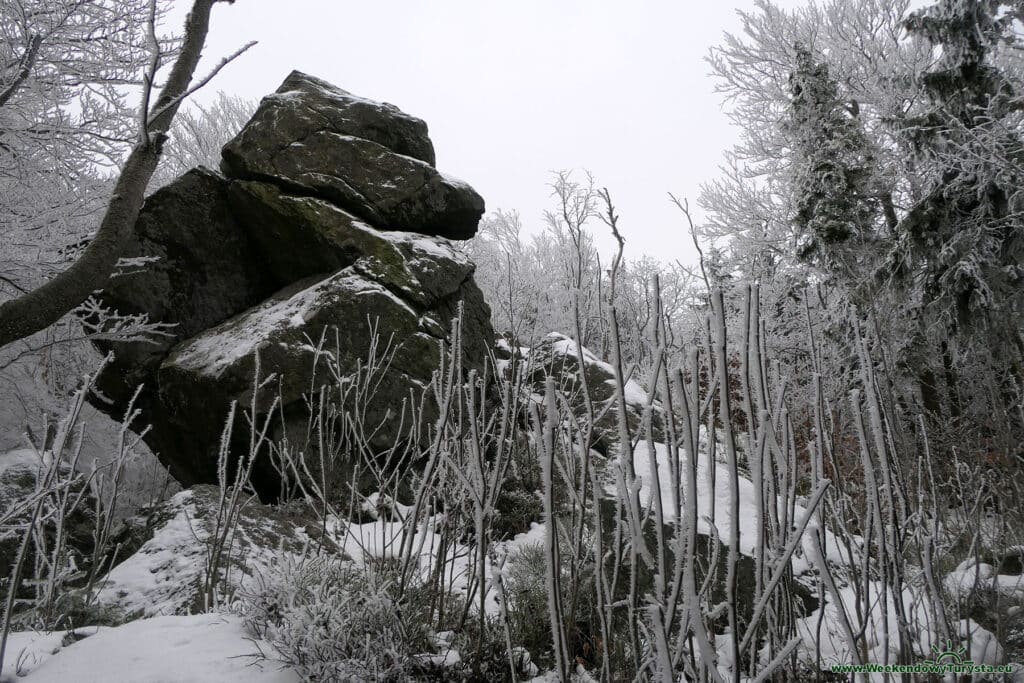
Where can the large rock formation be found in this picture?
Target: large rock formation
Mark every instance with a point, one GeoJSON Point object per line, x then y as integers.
{"type": "Point", "coordinates": [329, 218]}
{"type": "Point", "coordinates": [366, 157]}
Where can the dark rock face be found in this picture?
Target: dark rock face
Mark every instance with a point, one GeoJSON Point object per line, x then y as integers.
{"type": "Point", "coordinates": [304, 105]}
{"type": "Point", "coordinates": [367, 158]}
{"type": "Point", "coordinates": [184, 233]}
{"type": "Point", "coordinates": [298, 240]}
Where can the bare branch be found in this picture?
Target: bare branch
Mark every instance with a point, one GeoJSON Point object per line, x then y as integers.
{"type": "Point", "coordinates": [206, 79]}
{"type": "Point", "coordinates": [45, 305]}
{"type": "Point", "coordinates": [27, 62]}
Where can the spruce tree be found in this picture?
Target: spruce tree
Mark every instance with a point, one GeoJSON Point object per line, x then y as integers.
{"type": "Point", "coordinates": [832, 205]}
{"type": "Point", "coordinates": [963, 241]}
{"type": "Point", "coordinates": [959, 248]}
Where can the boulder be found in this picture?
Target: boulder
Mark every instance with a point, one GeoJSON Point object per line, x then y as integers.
{"type": "Point", "coordinates": [282, 335]}
{"type": "Point", "coordinates": [557, 355]}
{"type": "Point", "coordinates": [193, 266]}
{"type": "Point", "coordinates": [329, 224]}
{"type": "Point", "coordinates": [298, 237]}
{"type": "Point", "coordinates": [388, 190]}
{"type": "Point", "coordinates": [367, 158]}
{"type": "Point", "coordinates": [166, 574]}
{"type": "Point", "coordinates": [304, 105]}
{"type": "Point", "coordinates": [389, 288]}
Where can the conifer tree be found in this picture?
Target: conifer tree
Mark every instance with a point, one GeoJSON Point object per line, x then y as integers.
{"type": "Point", "coordinates": [833, 207]}
{"type": "Point", "coordinates": [963, 239]}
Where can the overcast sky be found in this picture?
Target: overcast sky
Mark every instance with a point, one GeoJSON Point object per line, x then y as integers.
{"type": "Point", "coordinates": [512, 91]}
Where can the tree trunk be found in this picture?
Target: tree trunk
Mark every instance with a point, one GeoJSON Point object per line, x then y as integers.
{"type": "Point", "coordinates": [928, 386]}
{"type": "Point", "coordinates": [45, 305]}
{"type": "Point", "coordinates": [950, 377]}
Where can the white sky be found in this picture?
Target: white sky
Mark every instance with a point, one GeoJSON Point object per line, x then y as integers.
{"type": "Point", "coordinates": [512, 91]}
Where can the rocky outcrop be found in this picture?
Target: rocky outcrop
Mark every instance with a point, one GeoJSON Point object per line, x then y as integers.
{"type": "Point", "coordinates": [195, 266]}
{"type": "Point", "coordinates": [305, 105]}
{"type": "Point", "coordinates": [329, 219]}
{"type": "Point", "coordinates": [557, 355]}
{"type": "Point", "coordinates": [365, 157]}
{"type": "Point", "coordinates": [167, 574]}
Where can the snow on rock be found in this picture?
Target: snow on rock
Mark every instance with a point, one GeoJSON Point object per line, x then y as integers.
{"type": "Point", "coordinates": [558, 356]}
{"type": "Point", "coordinates": [984, 647]}
{"type": "Point", "coordinates": [967, 576]}
{"type": "Point", "coordinates": [165, 576]}
{"type": "Point", "coordinates": [436, 247]}
{"type": "Point", "coordinates": [971, 575]}
{"type": "Point", "coordinates": [221, 348]}
{"type": "Point", "coordinates": [369, 158]}
{"type": "Point", "coordinates": [382, 539]}
{"type": "Point", "coordinates": [218, 349]}
{"type": "Point", "coordinates": [304, 103]}
{"type": "Point", "coordinates": [635, 394]}
{"type": "Point", "coordinates": [534, 536]}
{"type": "Point", "coordinates": [20, 459]}
{"type": "Point", "coordinates": [359, 314]}
{"type": "Point", "coordinates": [202, 648]}
{"type": "Point", "coordinates": [306, 226]}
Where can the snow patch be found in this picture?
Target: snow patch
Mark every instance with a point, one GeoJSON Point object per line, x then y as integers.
{"type": "Point", "coordinates": [457, 183]}
{"type": "Point", "coordinates": [166, 574]}
{"type": "Point", "coordinates": [21, 457]}
{"type": "Point", "coordinates": [971, 575]}
{"type": "Point", "coordinates": [203, 648]}
{"type": "Point", "coordinates": [212, 352]}
{"type": "Point", "coordinates": [636, 395]}
{"type": "Point", "coordinates": [562, 345]}
{"type": "Point", "coordinates": [162, 576]}
{"type": "Point", "coordinates": [423, 245]}
{"type": "Point", "coordinates": [716, 505]}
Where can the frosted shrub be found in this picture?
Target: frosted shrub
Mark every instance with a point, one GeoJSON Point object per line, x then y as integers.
{"type": "Point", "coordinates": [330, 620]}
{"type": "Point", "coordinates": [527, 604]}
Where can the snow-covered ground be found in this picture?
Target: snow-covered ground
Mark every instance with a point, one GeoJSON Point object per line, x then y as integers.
{"type": "Point", "coordinates": [972, 575]}
{"type": "Point", "coordinates": [716, 505]}
{"type": "Point", "coordinates": [166, 574]}
{"type": "Point", "coordinates": [822, 631]}
{"type": "Point", "coordinates": [382, 539]}
{"type": "Point", "coordinates": [162, 579]}
{"type": "Point", "coordinates": [202, 648]}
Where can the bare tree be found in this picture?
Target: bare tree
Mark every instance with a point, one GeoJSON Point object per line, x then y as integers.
{"type": "Point", "coordinates": [65, 69]}
{"type": "Point", "coordinates": [42, 306]}
{"type": "Point", "coordinates": [198, 134]}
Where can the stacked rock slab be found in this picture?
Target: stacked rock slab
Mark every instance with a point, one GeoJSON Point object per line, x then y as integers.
{"type": "Point", "coordinates": [329, 221]}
